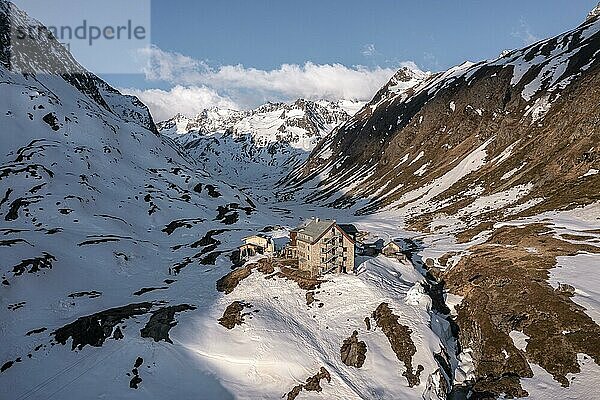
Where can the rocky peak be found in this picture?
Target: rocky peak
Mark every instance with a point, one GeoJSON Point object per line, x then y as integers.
{"type": "Point", "coordinates": [270, 106]}
{"type": "Point", "coordinates": [594, 13]}
{"type": "Point", "coordinates": [178, 121]}
{"type": "Point", "coordinates": [406, 74]}
{"type": "Point", "coordinates": [301, 103]}
{"type": "Point", "coordinates": [44, 55]}
{"type": "Point", "coordinates": [405, 79]}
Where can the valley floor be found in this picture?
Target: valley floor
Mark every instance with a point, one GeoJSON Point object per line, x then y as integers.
{"type": "Point", "coordinates": [282, 340]}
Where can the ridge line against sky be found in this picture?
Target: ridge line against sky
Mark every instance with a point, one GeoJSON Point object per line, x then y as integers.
{"type": "Point", "coordinates": [240, 54]}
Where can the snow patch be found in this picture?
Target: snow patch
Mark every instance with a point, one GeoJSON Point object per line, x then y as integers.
{"type": "Point", "coordinates": [519, 339]}
{"type": "Point", "coordinates": [583, 273]}
{"type": "Point", "coordinates": [591, 172]}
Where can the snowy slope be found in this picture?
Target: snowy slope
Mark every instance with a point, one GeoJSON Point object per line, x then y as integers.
{"type": "Point", "coordinates": [113, 238]}
{"type": "Point", "coordinates": [285, 334]}
{"type": "Point", "coordinates": [88, 191]}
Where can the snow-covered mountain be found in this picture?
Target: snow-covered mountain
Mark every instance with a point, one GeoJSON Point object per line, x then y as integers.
{"type": "Point", "coordinates": [117, 263]}
{"type": "Point", "coordinates": [119, 277]}
{"type": "Point", "coordinates": [260, 145]}
{"type": "Point", "coordinates": [93, 202]}
{"type": "Point", "coordinates": [512, 136]}
{"type": "Point", "coordinates": [500, 156]}
{"type": "Point", "coordinates": [267, 121]}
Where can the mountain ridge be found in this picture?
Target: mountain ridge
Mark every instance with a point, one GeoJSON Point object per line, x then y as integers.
{"type": "Point", "coordinates": [404, 141]}
{"type": "Point", "coordinates": [265, 142]}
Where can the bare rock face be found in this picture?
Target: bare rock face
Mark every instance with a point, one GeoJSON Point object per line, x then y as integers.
{"type": "Point", "coordinates": [594, 13]}
{"type": "Point", "coordinates": [353, 351]}
{"type": "Point", "coordinates": [313, 384]}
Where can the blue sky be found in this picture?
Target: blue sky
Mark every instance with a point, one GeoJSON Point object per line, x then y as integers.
{"type": "Point", "coordinates": [435, 34]}
{"type": "Point", "coordinates": [380, 35]}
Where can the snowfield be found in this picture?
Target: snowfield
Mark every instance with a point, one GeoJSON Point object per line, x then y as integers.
{"type": "Point", "coordinates": [286, 340]}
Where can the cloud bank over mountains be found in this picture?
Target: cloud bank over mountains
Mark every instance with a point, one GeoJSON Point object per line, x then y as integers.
{"type": "Point", "coordinates": [196, 85]}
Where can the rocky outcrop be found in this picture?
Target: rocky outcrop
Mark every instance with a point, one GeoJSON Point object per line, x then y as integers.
{"type": "Point", "coordinates": [505, 287]}
{"type": "Point", "coordinates": [353, 351]}
{"type": "Point", "coordinates": [94, 329]}
{"type": "Point", "coordinates": [399, 337]}
{"type": "Point", "coordinates": [230, 281]}
{"type": "Point", "coordinates": [313, 384]}
{"type": "Point", "coordinates": [233, 316]}
{"type": "Point", "coordinates": [161, 322]}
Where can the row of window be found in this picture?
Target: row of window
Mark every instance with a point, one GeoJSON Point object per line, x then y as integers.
{"type": "Point", "coordinates": [323, 259]}
{"type": "Point", "coordinates": [306, 254]}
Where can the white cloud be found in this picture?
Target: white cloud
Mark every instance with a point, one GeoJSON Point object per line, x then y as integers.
{"type": "Point", "coordinates": [168, 66]}
{"type": "Point", "coordinates": [189, 101]}
{"type": "Point", "coordinates": [525, 33]}
{"type": "Point", "coordinates": [430, 60]}
{"type": "Point", "coordinates": [250, 87]}
{"type": "Point", "coordinates": [369, 50]}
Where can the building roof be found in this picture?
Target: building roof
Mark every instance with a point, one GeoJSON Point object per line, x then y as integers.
{"type": "Point", "coordinates": [378, 244]}
{"type": "Point", "coordinates": [349, 229]}
{"type": "Point", "coordinates": [316, 228]}
{"type": "Point", "coordinates": [260, 236]}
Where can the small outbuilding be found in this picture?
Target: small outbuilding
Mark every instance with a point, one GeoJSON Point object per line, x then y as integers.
{"type": "Point", "coordinates": [256, 244]}
{"type": "Point", "coordinates": [391, 249]}
{"type": "Point", "coordinates": [371, 249]}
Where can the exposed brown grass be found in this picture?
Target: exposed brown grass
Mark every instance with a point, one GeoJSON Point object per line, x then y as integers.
{"type": "Point", "coordinates": [505, 287]}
